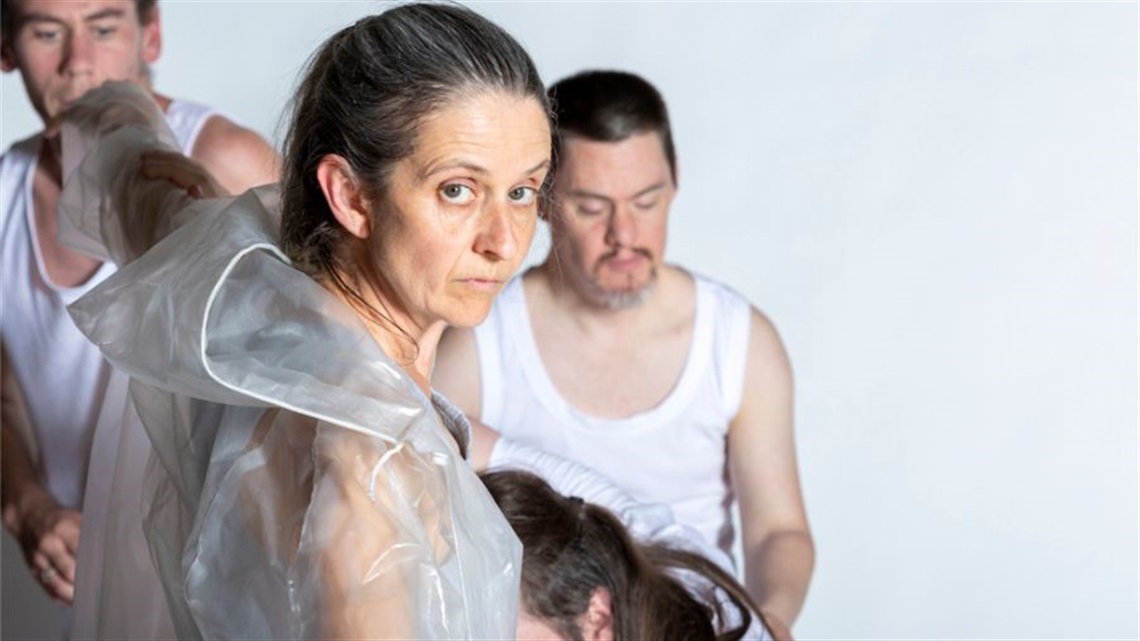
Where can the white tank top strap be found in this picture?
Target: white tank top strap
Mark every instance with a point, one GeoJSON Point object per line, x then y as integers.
{"type": "Point", "coordinates": [489, 344]}
{"type": "Point", "coordinates": [733, 323]}
{"type": "Point", "coordinates": [186, 120]}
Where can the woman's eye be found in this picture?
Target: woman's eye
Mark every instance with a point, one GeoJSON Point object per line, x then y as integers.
{"type": "Point", "coordinates": [522, 195]}
{"type": "Point", "coordinates": [457, 194]}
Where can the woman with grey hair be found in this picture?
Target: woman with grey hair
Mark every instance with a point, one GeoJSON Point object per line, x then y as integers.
{"type": "Point", "coordinates": [306, 480]}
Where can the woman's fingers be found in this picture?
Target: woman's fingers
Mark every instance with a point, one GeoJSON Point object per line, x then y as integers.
{"type": "Point", "coordinates": [180, 170]}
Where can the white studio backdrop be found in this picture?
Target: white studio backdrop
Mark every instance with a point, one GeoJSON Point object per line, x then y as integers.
{"type": "Point", "coordinates": [937, 204]}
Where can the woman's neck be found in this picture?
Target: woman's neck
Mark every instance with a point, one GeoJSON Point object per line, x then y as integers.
{"type": "Point", "coordinates": [410, 346]}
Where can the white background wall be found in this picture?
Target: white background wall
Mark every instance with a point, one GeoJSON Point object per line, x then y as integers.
{"type": "Point", "coordinates": [937, 203]}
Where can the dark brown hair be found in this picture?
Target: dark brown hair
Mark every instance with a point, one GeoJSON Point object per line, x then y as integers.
{"type": "Point", "coordinates": [571, 548]}
{"type": "Point", "coordinates": [610, 106]}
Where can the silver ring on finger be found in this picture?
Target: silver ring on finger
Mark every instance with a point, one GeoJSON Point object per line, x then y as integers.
{"type": "Point", "coordinates": [48, 574]}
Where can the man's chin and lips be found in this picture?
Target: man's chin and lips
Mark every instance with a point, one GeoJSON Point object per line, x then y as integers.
{"type": "Point", "coordinates": [56, 99]}
{"type": "Point", "coordinates": [622, 279]}
{"type": "Point", "coordinates": [55, 102]}
{"type": "Point", "coordinates": [626, 270]}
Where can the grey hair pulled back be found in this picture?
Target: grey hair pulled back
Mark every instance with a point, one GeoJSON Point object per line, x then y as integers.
{"type": "Point", "coordinates": [364, 96]}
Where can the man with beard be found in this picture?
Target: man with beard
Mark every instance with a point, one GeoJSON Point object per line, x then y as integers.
{"type": "Point", "coordinates": [669, 383]}
{"type": "Point", "coordinates": [55, 383]}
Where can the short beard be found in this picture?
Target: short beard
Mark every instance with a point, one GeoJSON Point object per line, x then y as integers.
{"type": "Point", "coordinates": [627, 299]}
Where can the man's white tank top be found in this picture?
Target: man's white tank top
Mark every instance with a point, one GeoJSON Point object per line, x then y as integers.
{"type": "Point", "coordinates": [674, 453]}
{"type": "Point", "coordinates": [62, 375]}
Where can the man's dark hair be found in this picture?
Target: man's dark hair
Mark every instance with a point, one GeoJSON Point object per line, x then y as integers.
{"type": "Point", "coordinates": [10, 16]}
{"type": "Point", "coordinates": [610, 106]}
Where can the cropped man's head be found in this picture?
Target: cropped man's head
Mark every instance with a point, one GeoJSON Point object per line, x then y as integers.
{"type": "Point", "coordinates": [611, 106]}
{"type": "Point", "coordinates": [615, 178]}
{"type": "Point", "coordinates": [65, 48]}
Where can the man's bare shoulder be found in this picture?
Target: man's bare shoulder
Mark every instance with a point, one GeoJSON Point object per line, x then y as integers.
{"type": "Point", "coordinates": [536, 282]}
{"type": "Point", "coordinates": [766, 354]}
{"type": "Point", "coordinates": [238, 157]}
{"type": "Point", "coordinates": [456, 372]}
{"type": "Point", "coordinates": [765, 347]}
{"type": "Point", "coordinates": [456, 342]}
{"type": "Point", "coordinates": [679, 285]}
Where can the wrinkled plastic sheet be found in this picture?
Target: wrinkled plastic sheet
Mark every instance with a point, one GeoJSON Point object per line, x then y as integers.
{"type": "Point", "coordinates": [300, 485]}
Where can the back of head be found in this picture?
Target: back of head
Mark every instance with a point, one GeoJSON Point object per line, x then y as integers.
{"type": "Point", "coordinates": [364, 96]}
{"type": "Point", "coordinates": [610, 106]}
{"type": "Point", "coordinates": [561, 569]}
{"type": "Point", "coordinates": [571, 548]}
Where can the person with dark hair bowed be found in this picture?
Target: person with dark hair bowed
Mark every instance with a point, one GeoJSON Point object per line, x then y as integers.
{"type": "Point", "coordinates": [585, 578]}
{"type": "Point", "coordinates": [60, 401]}
{"type": "Point", "coordinates": [669, 383]}
{"type": "Point", "coordinates": [307, 482]}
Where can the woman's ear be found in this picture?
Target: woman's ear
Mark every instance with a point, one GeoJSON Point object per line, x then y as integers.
{"type": "Point", "coordinates": [344, 195]}
{"type": "Point", "coordinates": [598, 621]}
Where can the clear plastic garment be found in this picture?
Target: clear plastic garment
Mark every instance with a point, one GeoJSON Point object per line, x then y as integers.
{"type": "Point", "coordinates": [301, 485]}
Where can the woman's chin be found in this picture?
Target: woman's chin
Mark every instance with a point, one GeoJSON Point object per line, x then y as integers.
{"type": "Point", "coordinates": [469, 313]}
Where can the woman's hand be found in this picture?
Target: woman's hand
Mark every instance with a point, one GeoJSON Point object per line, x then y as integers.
{"type": "Point", "coordinates": [182, 171]}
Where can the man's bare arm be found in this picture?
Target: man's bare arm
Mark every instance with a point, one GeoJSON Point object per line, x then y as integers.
{"type": "Point", "coordinates": [778, 551]}
{"type": "Point", "coordinates": [48, 533]}
{"type": "Point", "coordinates": [238, 158]}
{"type": "Point", "coordinates": [456, 376]}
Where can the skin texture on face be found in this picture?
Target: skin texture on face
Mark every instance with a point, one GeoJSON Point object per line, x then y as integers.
{"type": "Point", "coordinates": [460, 212]}
{"type": "Point", "coordinates": [64, 49]}
{"type": "Point", "coordinates": [612, 212]}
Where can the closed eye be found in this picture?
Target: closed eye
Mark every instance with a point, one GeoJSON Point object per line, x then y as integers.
{"type": "Point", "coordinates": [104, 31]}
{"type": "Point", "coordinates": [47, 35]}
{"type": "Point", "coordinates": [590, 208]}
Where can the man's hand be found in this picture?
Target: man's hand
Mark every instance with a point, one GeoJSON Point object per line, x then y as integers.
{"type": "Point", "coordinates": [49, 536]}
{"type": "Point", "coordinates": [47, 532]}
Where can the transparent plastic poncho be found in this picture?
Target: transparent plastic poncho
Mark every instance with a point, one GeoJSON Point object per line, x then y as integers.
{"type": "Point", "coordinates": [301, 485]}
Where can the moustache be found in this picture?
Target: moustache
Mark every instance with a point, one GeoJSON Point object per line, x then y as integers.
{"type": "Point", "coordinates": [641, 251]}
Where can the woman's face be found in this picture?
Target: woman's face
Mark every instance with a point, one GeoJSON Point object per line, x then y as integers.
{"type": "Point", "coordinates": [460, 212]}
